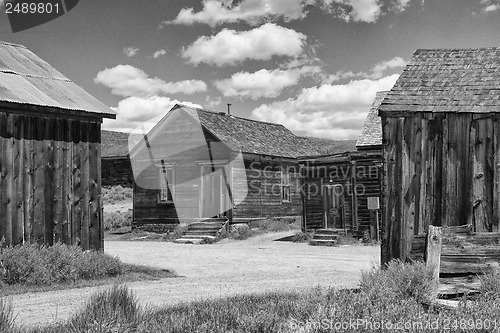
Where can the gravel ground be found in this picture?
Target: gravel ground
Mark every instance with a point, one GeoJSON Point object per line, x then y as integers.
{"type": "Point", "coordinates": [226, 268]}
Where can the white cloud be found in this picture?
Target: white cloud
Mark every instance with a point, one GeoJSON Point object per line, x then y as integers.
{"type": "Point", "coordinates": [263, 83]}
{"type": "Point", "coordinates": [490, 5]}
{"type": "Point", "coordinates": [130, 51]}
{"type": "Point", "coordinates": [380, 68]}
{"type": "Point", "coordinates": [376, 72]}
{"type": "Point", "coordinates": [216, 12]}
{"type": "Point", "coordinates": [230, 47]}
{"type": "Point", "coordinates": [159, 53]}
{"type": "Point", "coordinates": [134, 112]}
{"type": "Point", "coordinates": [401, 5]}
{"type": "Point", "coordinates": [330, 111]}
{"type": "Point", "coordinates": [126, 80]}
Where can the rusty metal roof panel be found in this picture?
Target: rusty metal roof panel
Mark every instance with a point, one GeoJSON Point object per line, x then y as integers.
{"type": "Point", "coordinates": [27, 79]}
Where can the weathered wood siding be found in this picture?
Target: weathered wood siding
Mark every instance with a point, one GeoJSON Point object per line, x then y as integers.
{"type": "Point", "coordinates": [262, 176]}
{"type": "Point", "coordinates": [50, 180]}
{"type": "Point", "coordinates": [117, 171]}
{"type": "Point", "coordinates": [439, 169]}
{"type": "Point", "coordinates": [358, 173]}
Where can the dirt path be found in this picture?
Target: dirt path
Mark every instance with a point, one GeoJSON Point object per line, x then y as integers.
{"type": "Point", "coordinates": [230, 267]}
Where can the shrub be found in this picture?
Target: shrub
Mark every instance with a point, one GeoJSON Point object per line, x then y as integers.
{"type": "Point", "coordinates": [398, 281]}
{"type": "Point", "coordinates": [7, 318]}
{"type": "Point", "coordinates": [301, 237]}
{"type": "Point", "coordinates": [113, 220]}
{"type": "Point", "coordinates": [116, 193]}
{"type": "Point", "coordinates": [490, 282]}
{"type": "Point", "coordinates": [112, 310]}
{"type": "Point", "coordinates": [41, 265]}
{"type": "Point", "coordinates": [240, 231]}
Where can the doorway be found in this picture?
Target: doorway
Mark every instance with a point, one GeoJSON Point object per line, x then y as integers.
{"type": "Point", "coordinates": [333, 207]}
{"type": "Point", "coordinates": [213, 192]}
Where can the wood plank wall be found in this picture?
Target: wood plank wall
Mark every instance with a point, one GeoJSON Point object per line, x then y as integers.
{"type": "Point", "coordinates": [360, 171]}
{"type": "Point", "coordinates": [50, 180]}
{"type": "Point", "coordinates": [439, 169]}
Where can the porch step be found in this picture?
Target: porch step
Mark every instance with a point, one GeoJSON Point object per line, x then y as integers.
{"type": "Point", "coordinates": [326, 237]}
{"type": "Point", "coordinates": [198, 231]}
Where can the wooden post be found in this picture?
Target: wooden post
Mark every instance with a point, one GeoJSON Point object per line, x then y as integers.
{"type": "Point", "coordinates": [433, 254]}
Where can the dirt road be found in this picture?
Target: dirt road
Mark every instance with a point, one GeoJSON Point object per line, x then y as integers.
{"type": "Point", "coordinates": [229, 267]}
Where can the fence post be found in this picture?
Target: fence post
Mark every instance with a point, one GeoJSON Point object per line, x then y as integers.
{"type": "Point", "coordinates": [433, 255]}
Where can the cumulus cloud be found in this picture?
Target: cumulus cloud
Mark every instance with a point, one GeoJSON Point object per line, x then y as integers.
{"type": "Point", "coordinates": [130, 51]}
{"type": "Point", "coordinates": [159, 53]}
{"type": "Point", "coordinates": [215, 12]}
{"type": "Point", "coordinates": [144, 112]}
{"type": "Point", "coordinates": [262, 83]}
{"type": "Point", "coordinates": [230, 47]}
{"type": "Point", "coordinates": [126, 80]}
{"type": "Point", "coordinates": [334, 111]}
{"type": "Point", "coordinates": [376, 72]}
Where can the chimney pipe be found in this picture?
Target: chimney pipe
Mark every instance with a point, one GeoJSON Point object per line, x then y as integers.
{"type": "Point", "coordinates": [228, 109]}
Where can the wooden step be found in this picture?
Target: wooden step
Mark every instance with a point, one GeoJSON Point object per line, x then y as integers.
{"type": "Point", "coordinates": [325, 236]}
{"type": "Point", "coordinates": [323, 242]}
{"type": "Point", "coordinates": [331, 231]}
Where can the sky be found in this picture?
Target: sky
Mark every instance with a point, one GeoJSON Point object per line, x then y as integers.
{"type": "Point", "coordinates": [312, 65]}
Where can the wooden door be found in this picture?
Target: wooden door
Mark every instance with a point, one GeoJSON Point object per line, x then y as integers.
{"type": "Point", "coordinates": [333, 212]}
{"type": "Point", "coordinates": [213, 198]}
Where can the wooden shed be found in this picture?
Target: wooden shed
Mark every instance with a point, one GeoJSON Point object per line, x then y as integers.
{"type": "Point", "coordinates": [50, 176]}
{"type": "Point", "coordinates": [116, 168]}
{"type": "Point", "coordinates": [338, 187]}
{"type": "Point", "coordinates": [441, 146]}
{"type": "Point", "coordinates": [197, 164]}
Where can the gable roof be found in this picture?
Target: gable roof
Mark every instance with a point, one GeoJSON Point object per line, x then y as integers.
{"type": "Point", "coordinates": [27, 79]}
{"type": "Point", "coordinates": [330, 146]}
{"type": "Point", "coordinates": [371, 133]}
{"type": "Point", "coordinates": [448, 80]}
{"type": "Point", "coordinates": [252, 136]}
{"type": "Point", "coordinates": [114, 144]}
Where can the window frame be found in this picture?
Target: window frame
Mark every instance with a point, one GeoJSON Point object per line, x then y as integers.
{"type": "Point", "coordinates": [170, 188]}
{"type": "Point", "coordinates": [285, 186]}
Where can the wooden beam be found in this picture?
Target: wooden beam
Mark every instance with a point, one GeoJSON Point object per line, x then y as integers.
{"type": "Point", "coordinates": [433, 255]}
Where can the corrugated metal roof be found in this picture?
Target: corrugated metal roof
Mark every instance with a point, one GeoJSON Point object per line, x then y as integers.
{"type": "Point", "coordinates": [448, 80]}
{"type": "Point", "coordinates": [251, 136]}
{"type": "Point", "coordinates": [371, 134]}
{"type": "Point", "coordinates": [27, 79]}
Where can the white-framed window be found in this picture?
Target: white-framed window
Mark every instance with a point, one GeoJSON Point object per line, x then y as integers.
{"type": "Point", "coordinates": [285, 185]}
{"type": "Point", "coordinates": [167, 186]}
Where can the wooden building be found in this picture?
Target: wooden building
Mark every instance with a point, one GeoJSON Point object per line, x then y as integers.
{"type": "Point", "coordinates": [338, 187]}
{"type": "Point", "coordinates": [441, 146]}
{"type": "Point", "coordinates": [116, 168]}
{"type": "Point", "coordinates": [197, 164]}
{"type": "Point", "coordinates": [50, 177]}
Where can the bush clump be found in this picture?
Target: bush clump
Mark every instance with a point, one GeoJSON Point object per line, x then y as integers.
{"type": "Point", "coordinates": [113, 220]}
{"type": "Point", "coordinates": [34, 264]}
{"type": "Point", "coordinates": [114, 194]}
{"type": "Point", "coordinates": [398, 281]}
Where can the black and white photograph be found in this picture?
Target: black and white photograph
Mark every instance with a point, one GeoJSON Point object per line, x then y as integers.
{"type": "Point", "coordinates": [299, 166]}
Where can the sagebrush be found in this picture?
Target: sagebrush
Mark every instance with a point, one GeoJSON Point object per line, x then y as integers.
{"type": "Point", "coordinates": [35, 264]}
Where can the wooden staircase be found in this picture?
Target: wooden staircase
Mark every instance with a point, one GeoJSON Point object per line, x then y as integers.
{"type": "Point", "coordinates": [326, 237]}
{"type": "Point", "coordinates": [201, 231]}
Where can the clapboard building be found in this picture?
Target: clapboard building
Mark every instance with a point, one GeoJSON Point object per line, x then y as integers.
{"type": "Point", "coordinates": [197, 164]}
{"type": "Point", "coordinates": [116, 168]}
{"type": "Point", "coordinates": [50, 154]}
{"type": "Point", "coordinates": [342, 190]}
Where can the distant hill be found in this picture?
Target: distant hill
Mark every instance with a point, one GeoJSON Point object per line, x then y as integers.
{"type": "Point", "coordinates": [114, 144]}
{"type": "Point", "coordinates": [329, 146]}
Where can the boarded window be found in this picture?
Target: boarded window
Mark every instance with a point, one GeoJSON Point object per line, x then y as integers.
{"type": "Point", "coordinates": [285, 185]}
{"type": "Point", "coordinates": [167, 187]}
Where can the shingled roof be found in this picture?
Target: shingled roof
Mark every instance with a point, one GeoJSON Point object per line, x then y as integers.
{"type": "Point", "coordinates": [448, 80]}
{"type": "Point", "coordinates": [252, 136]}
{"type": "Point", "coordinates": [27, 79]}
{"type": "Point", "coordinates": [371, 134]}
{"type": "Point", "coordinates": [114, 144]}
